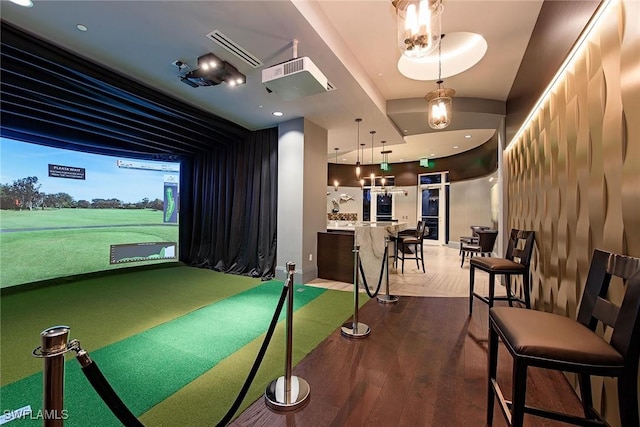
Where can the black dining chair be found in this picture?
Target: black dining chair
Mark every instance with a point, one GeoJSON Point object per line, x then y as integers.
{"type": "Point", "coordinates": [484, 246]}
{"type": "Point", "coordinates": [412, 245]}
{"type": "Point", "coordinates": [473, 239]}
{"type": "Point", "coordinates": [515, 263]}
{"type": "Point", "coordinates": [552, 341]}
{"type": "Point", "coordinates": [407, 232]}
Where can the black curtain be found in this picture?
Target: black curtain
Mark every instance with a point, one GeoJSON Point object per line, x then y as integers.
{"type": "Point", "coordinates": [53, 97]}
{"type": "Point", "coordinates": [228, 191]}
{"type": "Point", "coordinates": [234, 200]}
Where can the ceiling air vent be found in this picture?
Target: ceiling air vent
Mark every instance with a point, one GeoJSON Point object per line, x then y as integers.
{"type": "Point", "coordinates": [231, 46]}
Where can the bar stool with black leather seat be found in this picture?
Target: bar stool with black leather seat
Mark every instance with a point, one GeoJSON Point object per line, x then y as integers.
{"type": "Point", "coordinates": [484, 247]}
{"type": "Point", "coordinates": [412, 245]}
{"type": "Point", "coordinates": [515, 263]}
{"type": "Point", "coordinates": [407, 232]}
{"type": "Point", "coordinates": [552, 341]}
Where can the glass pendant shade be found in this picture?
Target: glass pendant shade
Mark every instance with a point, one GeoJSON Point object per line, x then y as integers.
{"type": "Point", "coordinates": [335, 181]}
{"type": "Point", "coordinates": [440, 107]}
{"type": "Point", "coordinates": [418, 26]}
{"type": "Point", "coordinates": [358, 120]}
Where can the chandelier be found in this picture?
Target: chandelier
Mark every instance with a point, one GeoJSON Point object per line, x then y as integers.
{"type": "Point", "coordinates": [439, 107]}
{"type": "Point", "coordinates": [418, 26]}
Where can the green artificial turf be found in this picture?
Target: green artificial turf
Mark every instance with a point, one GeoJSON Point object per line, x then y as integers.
{"type": "Point", "coordinates": [166, 369]}
{"type": "Point", "coordinates": [106, 309]}
{"type": "Point", "coordinates": [206, 400]}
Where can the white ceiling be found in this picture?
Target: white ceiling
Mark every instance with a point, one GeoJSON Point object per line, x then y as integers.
{"type": "Point", "coordinates": [352, 42]}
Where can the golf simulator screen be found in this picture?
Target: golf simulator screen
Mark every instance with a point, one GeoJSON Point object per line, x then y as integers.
{"type": "Point", "coordinates": [64, 213]}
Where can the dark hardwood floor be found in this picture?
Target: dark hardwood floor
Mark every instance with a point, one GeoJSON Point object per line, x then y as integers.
{"type": "Point", "coordinates": [424, 364]}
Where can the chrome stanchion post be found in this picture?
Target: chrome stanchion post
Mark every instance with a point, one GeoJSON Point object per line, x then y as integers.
{"type": "Point", "coordinates": [288, 393]}
{"type": "Point", "coordinates": [386, 298]}
{"type": "Point", "coordinates": [355, 329]}
{"type": "Point", "coordinates": [54, 346]}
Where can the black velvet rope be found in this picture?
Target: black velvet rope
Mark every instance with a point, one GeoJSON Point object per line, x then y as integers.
{"type": "Point", "coordinates": [364, 278]}
{"type": "Point", "coordinates": [126, 417]}
{"type": "Point", "coordinates": [254, 369]}
{"type": "Point", "coordinates": [109, 396]}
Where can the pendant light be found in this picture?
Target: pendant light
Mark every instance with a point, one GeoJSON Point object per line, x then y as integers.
{"type": "Point", "coordinates": [358, 141]}
{"type": "Point", "coordinates": [362, 148]}
{"type": "Point", "coordinates": [335, 181]}
{"type": "Point", "coordinates": [384, 165]}
{"type": "Point", "coordinates": [372, 175]}
{"type": "Point", "coordinates": [418, 26]}
{"type": "Point", "coordinates": [439, 107]}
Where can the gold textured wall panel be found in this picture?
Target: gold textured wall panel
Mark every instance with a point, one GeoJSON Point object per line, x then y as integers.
{"type": "Point", "coordinates": [574, 172]}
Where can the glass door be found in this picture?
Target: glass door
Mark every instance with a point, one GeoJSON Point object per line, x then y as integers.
{"type": "Point", "coordinates": [432, 205]}
{"type": "Point", "coordinates": [384, 207]}
{"type": "Point", "coordinates": [430, 214]}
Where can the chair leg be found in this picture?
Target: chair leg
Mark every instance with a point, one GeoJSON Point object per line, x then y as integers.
{"type": "Point", "coordinates": [416, 253]}
{"type": "Point", "coordinates": [422, 257]}
{"type": "Point", "coordinates": [526, 290]}
{"type": "Point", "coordinates": [492, 290]}
{"type": "Point", "coordinates": [471, 280]}
{"type": "Point", "coordinates": [462, 261]}
{"type": "Point", "coordinates": [585, 393]}
{"type": "Point", "coordinates": [493, 369]}
{"type": "Point", "coordinates": [395, 253]}
{"type": "Point", "coordinates": [628, 398]}
{"type": "Point", "coordinates": [507, 278]}
{"type": "Point", "coordinates": [402, 250]}
{"type": "Point", "coordinates": [519, 391]}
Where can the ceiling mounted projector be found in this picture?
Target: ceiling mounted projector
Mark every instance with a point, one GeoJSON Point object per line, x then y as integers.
{"type": "Point", "coordinates": [296, 78]}
{"type": "Point", "coordinates": [212, 71]}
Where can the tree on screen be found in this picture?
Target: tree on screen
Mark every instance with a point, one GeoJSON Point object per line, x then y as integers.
{"type": "Point", "coordinates": [26, 192]}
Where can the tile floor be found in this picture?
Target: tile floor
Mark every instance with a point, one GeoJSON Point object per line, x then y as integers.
{"type": "Point", "coordinates": [443, 277]}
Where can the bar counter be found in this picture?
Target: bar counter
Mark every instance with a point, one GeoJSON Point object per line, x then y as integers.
{"type": "Point", "coordinates": [335, 249]}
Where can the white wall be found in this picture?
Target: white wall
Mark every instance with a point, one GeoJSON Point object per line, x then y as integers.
{"type": "Point", "coordinates": [469, 204]}
{"type": "Point", "coordinates": [315, 219]}
{"type": "Point", "coordinates": [301, 189]}
{"type": "Point", "coordinates": [406, 207]}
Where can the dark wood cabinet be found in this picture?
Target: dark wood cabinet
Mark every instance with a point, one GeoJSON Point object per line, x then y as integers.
{"type": "Point", "coordinates": [335, 255]}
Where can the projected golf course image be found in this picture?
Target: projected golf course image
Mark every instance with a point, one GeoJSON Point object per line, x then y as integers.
{"type": "Point", "coordinates": [65, 213]}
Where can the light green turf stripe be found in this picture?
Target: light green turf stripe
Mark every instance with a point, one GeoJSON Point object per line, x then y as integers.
{"type": "Point", "coordinates": [205, 400]}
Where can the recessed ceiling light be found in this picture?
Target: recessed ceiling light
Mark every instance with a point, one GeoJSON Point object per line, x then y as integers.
{"type": "Point", "coordinates": [467, 136]}
{"type": "Point", "coordinates": [491, 179]}
{"type": "Point", "coordinates": [81, 27]}
{"type": "Point", "coordinates": [402, 160]}
{"type": "Point", "coordinates": [455, 146]}
{"type": "Point", "coordinates": [405, 131]}
{"type": "Point", "coordinates": [278, 113]}
{"type": "Point", "coordinates": [259, 106]}
{"type": "Point", "coordinates": [24, 3]}
{"type": "Point", "coordinates": [433, 154]}
{"type": "Point", "coordinates": [344, 160]}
